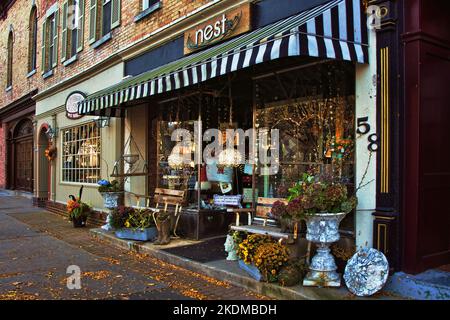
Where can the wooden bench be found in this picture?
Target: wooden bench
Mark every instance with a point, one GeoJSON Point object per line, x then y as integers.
{"type": "Point", "coordinates": [164, 199]}
{"type": "Point", "coordinates": [259, 221]}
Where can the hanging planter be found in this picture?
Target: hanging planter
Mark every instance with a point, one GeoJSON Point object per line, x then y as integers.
{"type": "Point", "coordinates": [50, 153]}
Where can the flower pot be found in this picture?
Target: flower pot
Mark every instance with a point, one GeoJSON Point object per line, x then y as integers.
{"type": "Point", "coordinates": [147, 234]}
{"type": "Point", "coordinates": [79, 222]}
{"type": "Point", "coordinates": [323, 229]}
{"type": "Point", "coordinates": [111, 199]}
{"type": "Point", "coordinates": [251, 270]}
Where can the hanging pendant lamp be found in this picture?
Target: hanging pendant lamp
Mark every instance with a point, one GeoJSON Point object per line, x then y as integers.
{"type": "Point", "coordinates": [230, 157]}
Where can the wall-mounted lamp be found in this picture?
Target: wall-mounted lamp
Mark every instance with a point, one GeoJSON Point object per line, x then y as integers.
{"type": "Point", "coordinates": [51, 132]}
{"type": "Point", "coordinates": [102, 122]}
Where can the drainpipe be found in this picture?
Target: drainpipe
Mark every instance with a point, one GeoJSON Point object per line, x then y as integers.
{"type": "Point", "coordinates": [35, 159]}
{"type": "Point", "coordinates": [55, 127]}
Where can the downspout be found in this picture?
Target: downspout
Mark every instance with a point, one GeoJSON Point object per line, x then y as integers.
{"type": "Point", "coordinates": [53, 188]}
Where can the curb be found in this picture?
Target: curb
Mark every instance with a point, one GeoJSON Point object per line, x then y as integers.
{"type": "Point", "coordinates": [263, 288]}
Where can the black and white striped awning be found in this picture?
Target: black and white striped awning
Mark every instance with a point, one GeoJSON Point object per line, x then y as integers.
{"type": "Point", "coordinates": [335, 30]}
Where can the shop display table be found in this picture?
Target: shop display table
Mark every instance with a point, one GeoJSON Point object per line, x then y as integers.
{"type": "Point", "coordinates": [201, 224]}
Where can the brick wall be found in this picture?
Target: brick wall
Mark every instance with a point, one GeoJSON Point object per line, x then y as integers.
{"type": "Point", "coordinates": [95, 219]}
{"type": "Point", "coordinates": [128, 32]}
{"type": "Point", "coordinates": [17, 17]}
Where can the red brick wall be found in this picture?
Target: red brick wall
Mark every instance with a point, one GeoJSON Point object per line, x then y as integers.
{"type": "Point", "coordinates": [128, 32]}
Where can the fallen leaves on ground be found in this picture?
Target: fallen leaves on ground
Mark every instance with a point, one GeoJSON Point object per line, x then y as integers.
{"type": "Point", "coordinates": [17, 295]}
{"type": "Point", "coordinates": [96, 275]}
{"type": "Point", "coordinates": [10, 275]}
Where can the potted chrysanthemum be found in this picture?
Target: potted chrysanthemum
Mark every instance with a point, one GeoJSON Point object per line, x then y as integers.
{"type": "Point", "coordinates": [78, 210]}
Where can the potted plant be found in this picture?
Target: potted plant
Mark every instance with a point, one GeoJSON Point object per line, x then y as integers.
{"type": "Point", "coordinates": [78, 210]}
{"type": "Point", "coordinates": [110, 191]}
{"type": "Point", "coordinates": [255, 262]}
{"type": "Point", "coordinates": [269, 258]}
{"type": "Point", "coordinates": [323, 205]}
{"type": "Point", "coordinates": [133, 224]}
{"type": "Point", "coordinates": [287, 215]}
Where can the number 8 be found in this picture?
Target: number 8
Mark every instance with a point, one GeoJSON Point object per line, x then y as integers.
{"type": "Point", "coordinates": [373, 142]}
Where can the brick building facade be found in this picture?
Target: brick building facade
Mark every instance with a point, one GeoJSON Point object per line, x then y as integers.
{"type": "Point", "coordinates": [135, 25]}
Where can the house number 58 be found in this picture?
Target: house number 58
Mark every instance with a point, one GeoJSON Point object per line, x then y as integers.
{"type": "Point", "coordinates": [363, 127]}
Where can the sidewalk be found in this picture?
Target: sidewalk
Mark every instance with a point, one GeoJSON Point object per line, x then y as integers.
{"type": "Point", "coordinates": [207, 259]}
{"type": "Point", "coordinates": [37, 247]}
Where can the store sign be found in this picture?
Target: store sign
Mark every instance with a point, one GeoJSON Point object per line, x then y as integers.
{"type": "Point", "coordinates": [221, 27]}
{"type": "Point", "coordinates": [72, 105]}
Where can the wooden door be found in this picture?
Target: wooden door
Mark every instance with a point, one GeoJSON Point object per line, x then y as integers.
{"type": "Point", "coordinates": [24, 165]}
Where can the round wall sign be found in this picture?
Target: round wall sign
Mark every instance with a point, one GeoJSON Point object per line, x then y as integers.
{"type": "Point", "coordinates": [72, 104]}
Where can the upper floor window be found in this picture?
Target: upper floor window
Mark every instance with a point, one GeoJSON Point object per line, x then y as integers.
{"type": "Point", "coordinates": [50, 42]}
{"type": "Point", "coordinates": [72, 27]}
{"type": "Point", "coordinates": [10, 60]}
{"type": "Point", "coordinates": [148, 3]}
{"type": "Point", "coordinates": [104, 16]}
{"type": "Point", "coordinates": [146, 8]}
{"type": "Point", "coordinates": [32, 38]}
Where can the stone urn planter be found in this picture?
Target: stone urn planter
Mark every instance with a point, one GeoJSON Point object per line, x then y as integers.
{"type": "Point", "coordinates": [323, 230]}
{"type": "Point", "coordinates": [110, 201]}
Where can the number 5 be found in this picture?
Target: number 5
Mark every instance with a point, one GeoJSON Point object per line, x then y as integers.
{"type": "Point", "coordinates": [362, 124]}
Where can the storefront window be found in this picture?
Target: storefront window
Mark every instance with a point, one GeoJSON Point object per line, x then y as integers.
{"type": "Point", "coordinates": [316, 127]}
{"type": "Point", "coordinates": [173, 171]}
{"type": "Point", "coordinates": [81, 154]}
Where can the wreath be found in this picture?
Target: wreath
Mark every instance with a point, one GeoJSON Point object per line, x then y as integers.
{"type": "Point", "coordinates": [50, 153]}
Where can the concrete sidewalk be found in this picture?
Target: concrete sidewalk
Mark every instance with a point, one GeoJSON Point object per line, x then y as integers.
{"type": "Point", "coordinates": [432, 285]}
{"type": "Point", "coordinates": [37, 247]}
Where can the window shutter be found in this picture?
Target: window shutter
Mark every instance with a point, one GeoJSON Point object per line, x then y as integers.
{"type": "Point", "coordinates": [93, 21]}
{"type": "Point", "coordinates": [55, 40]}
{"type": "Point", "coordinates": [115, 13]}
{"type": "Point", "coordinates": [43, 51]}
{"type": "Point", "coordinates": [80, 33]}
{"type": "Point", "coordinates": [64, 31]}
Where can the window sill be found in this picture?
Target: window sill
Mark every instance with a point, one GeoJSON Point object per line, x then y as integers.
{"type": "Point", "coordinates": [31, 73]}
{"type": "Point", "coordinates": [47, 74]}
{"type": "Point", "coordinates": [70, 60]}
{"type": "Point", "coordinates": [9, 88]}
{"type": "Point", "coordinates": [101, 41]}
{"type": "Point", "coordinates": [148, 11]}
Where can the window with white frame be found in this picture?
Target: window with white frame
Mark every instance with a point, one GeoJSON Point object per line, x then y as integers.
{"type": "Point", "coordinates": [81, 147]}
{"type": "Point", "coordinates": [148, 3]}
{"type": "Point", "coordinates": [104, 16]}
{"type": "Point", "coordinates": [72, 25]}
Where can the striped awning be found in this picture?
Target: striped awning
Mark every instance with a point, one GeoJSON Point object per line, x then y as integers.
{"type": "Point", "coordinates": [334, 30]}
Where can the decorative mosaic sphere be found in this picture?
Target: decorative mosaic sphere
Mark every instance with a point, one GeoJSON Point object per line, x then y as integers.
{"type": "Point", "coordinates": [366, 272]}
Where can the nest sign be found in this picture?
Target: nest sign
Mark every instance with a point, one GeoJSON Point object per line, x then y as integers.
{"type": "Point", "coordinates": [220, 27]}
